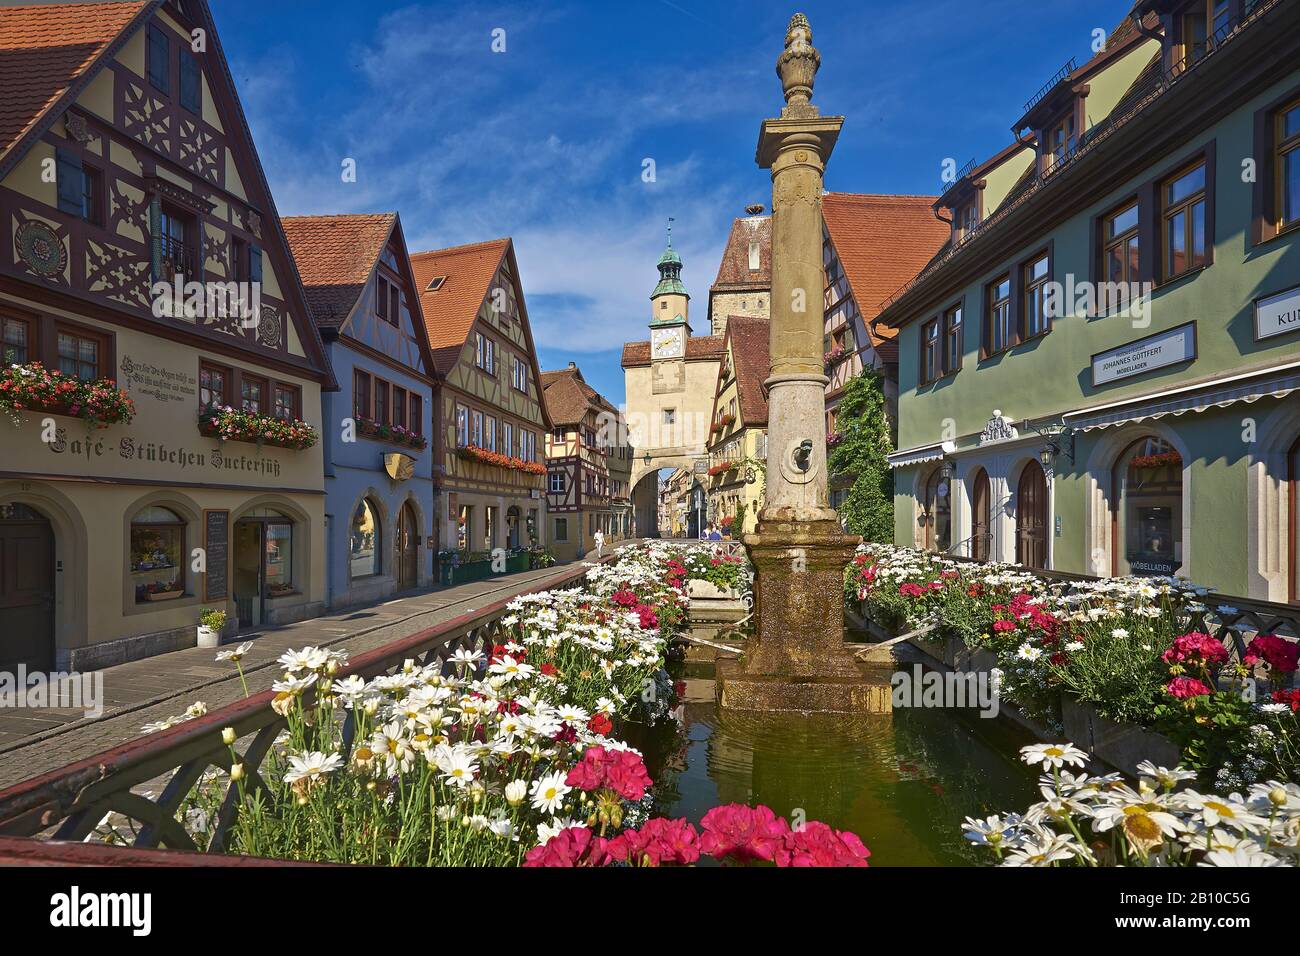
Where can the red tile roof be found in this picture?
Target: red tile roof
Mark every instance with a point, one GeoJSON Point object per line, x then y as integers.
{"type": "Point", "coordinates": [750, 338]}
{"type": "Point", "coordinates": [569, 397]}
{"type": "Point", "coordinates": [449, 313]}
{"type": "Point", "coordinates": [734, 274]}
{"type": "Point", "coordinates": [44, 49]}
{"type": "Point", "coordinates": [335, 256]}
{"type": "Point", "coordinates": [882, 242]}
{"type": "Point", "coordinates": [698, 348]}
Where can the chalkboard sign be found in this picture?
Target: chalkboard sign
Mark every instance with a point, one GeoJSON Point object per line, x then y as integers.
{"type": "Point", "coordinates": [216, 544]}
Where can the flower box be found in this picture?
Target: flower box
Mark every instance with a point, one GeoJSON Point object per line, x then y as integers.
{"type": "Point", "coordinates": [509, 462]}
{"type": "Point", "coordinates": [34, 388]}
{"type": "Point", "coordinates": [162, 595]}
{"type": "Point", "coordinates": [396, 434]}
{"type": "Point", "coordinates": [229, 424]}
{"type": "Point", "coordinates": [1123, 746]}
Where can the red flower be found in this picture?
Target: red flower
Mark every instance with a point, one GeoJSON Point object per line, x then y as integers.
{"type": "Point", "coordinates": [573, 846]}
{"type": "Point", "coordinates": [1277, 652]}
{"type": "Point", "coordinates": [910, 590]}
{"type": "Point", "coordinates": [1196, 647]}
{"type": "Point", "coordinates": [1185, 688]}
{"type": "Point", "coordinates": [549, 669]}
{"type": "Point", "coordinates": [1289, 697]}
{"type": "Point", "coordinates": [600, 724]}
{"type": "Point", "coordinates": [1003, 626]}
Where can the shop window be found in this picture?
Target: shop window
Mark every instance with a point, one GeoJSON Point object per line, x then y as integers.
{"type": "Point", "coordinates": [279, 557]}
{"type": "Point", "coordinates": [937, 516]}
{"type": "Point", "coordinates": [157, 558]}
{"type": "Point", "coordinates": [464, 527]}
{"type": "Point", "coordinates": [364, 541]}
{"type": "Point", "coordinates": [1149, 517]}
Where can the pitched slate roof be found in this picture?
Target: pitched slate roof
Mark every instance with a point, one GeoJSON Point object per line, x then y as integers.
{"type": "Point", "coordinates": [882, 243]}
{"type": "Point", "coordinates": [734, 274]}
{"type": "Point", "coordinates": [569, 397]}
{"type": "Point", "coordinates": [449, 312]}
{"type": "Point", "coordinates": [698, 348]}
{"type": "Point", "coordinates": [45, 49]}
{"type": "Point", "coordinates": [750, 338]}
{"type": "Point", "coordinates": [335, 257]}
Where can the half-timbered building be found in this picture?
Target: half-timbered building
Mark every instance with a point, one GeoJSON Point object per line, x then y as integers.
{"type": "Point", "coordinates": [738, 436]}
{"type": "Point", "coordinates": [379, 480]}
{"type": "Point", "coordinates": [492, 414]}
{"type": "Point", "coordinates": [587, 465]}
{"type": "Point", "coordinates": [127, 172]}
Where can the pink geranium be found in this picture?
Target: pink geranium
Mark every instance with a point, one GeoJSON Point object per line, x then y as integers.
{"type": "Point", "coordinates": [573, 846]}
{"type": "Point", "coordinates": [1277, 652]}
{"type": "Point", "coordinates": [619, 770]}
{"type": "Point", "coordinates": [1185, 688]}
{"type": "Point", "coordinates": [910, 590]}
{"type": "Point", "coordinates": [743, 833]}
{"type": "Point", "coordinates": [1195, 648]}
{"type": "Point", "coordinates": [816, 844]}
{"type": "Point", "coordinates": [658, 842]}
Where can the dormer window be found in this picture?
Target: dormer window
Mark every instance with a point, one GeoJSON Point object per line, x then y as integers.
{"type": "Point", "coordinates": [1059, 142]}
{"type": "Point", "coordinates": [967, 218]}
{"type": "Point", "coordinates": [435, 284]}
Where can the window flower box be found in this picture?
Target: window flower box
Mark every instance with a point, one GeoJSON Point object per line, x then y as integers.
{"type": "Point", "coordinates": [488, 457]}
{"type": "Point", "coordinates": [397, 434]}
{"type": "Point", "coordinates": [1162, 460]}
{"type": "Point", "coordinates": [34, 388]}
{"type": "Point", "coordinates": [228, 424]}
{"type": "Point", "coordinates": [155, 592]}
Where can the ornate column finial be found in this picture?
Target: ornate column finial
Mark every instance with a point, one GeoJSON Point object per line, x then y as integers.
{"type": "Point", "coordinates": [797, 67]}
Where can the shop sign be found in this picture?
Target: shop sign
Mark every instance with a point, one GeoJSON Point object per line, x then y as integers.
{"type": "Point", "coordinates": [1145, 355]}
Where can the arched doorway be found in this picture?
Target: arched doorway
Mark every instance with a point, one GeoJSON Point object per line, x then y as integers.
{"type": "Point", "coordinates": [937, 516]}
{"type": "Point", "coordinates": [408, 548]}
{"type": "Point", "coordinates": [26, 589]}
{"type": "Point", "coordinates": [1147, 515]}
{"type": "Point", "coordinates": [1031, 517]}
{"type": "Point", "coordinates": [981, 543]}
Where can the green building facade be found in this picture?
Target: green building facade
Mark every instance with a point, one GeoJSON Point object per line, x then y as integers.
{"type": "Point", "coordinates": [1100, 373]}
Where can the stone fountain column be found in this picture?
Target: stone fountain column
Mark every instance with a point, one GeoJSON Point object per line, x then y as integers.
{"type": "Point", "coordinates": [796, 659]}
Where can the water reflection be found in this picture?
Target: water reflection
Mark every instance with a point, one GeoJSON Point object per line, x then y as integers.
{"type": "Point", "coordinates": [902, 781]}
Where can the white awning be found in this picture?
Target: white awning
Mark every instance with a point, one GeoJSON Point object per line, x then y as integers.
{"type": "Point", "coordinates": [924, 453]}
{"type": "Point", "coordinates": [1141, 409]}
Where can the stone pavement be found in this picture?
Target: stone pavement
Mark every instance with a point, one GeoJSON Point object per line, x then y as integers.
{"type": "Point", "coordinates": [140, 692]}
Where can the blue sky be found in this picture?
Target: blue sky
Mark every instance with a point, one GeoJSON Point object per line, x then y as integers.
{"type": "Point", "coordinates": [546, 142]}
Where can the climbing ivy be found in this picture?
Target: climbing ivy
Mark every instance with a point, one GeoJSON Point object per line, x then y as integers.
{"type": "Point", "coordinates": [864, 443]}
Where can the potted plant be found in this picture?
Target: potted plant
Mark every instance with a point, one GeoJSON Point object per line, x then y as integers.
{"type": "Point", "coordinates": [211, 624]}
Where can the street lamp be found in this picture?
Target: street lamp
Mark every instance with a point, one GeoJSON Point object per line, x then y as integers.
{"type": "Point", "coordinates": [1058, 439]}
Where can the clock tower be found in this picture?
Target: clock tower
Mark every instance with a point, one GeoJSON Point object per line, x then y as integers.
{"type": "Point", "coordinates": [670, 305]}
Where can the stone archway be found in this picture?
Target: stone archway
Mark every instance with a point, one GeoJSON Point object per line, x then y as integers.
{"type": "Point", "coordinates": [644, 485]}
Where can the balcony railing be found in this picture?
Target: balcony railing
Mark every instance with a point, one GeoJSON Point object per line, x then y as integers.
{"type": "Point", "coordinates": [68, 804]}
{"type": "Point", "coordinates": [1047, 87]}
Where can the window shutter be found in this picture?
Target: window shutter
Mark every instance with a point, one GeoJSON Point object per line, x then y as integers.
{"type": "Point", "coordinates": [71, 182]}
{"type": "Point", "coordinates": [159, 55]}
{"type": "Point", "coordinates": [254, 264]}
{"type": "Point", "coordinates": [191, 86]}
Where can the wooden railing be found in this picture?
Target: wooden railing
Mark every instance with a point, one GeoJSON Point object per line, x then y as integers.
{"type": "Point", "coordinates": [67, 804]}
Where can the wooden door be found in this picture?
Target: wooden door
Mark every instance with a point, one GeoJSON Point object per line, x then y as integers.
{"type": "Point", "coordinates": [981, 518]}
{"type": "Point", "coordinates": [26, 593]}
{"type": "Point", "coordinates": [1031, 517]}
{"type": "Point", "coordinates": [408, 548]}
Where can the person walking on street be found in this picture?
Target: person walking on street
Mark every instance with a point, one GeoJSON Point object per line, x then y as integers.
{"type": "Point", "coordinates": [599, 540]}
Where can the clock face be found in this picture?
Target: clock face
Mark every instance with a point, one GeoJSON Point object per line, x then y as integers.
{"type": "Point", "coordinates": [667, 343]}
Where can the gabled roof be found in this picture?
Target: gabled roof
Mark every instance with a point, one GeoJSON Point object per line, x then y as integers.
{"type": "Point", "coordinates": [336, 256]}
{"type": "Point", "coordinates": [45, 50]}
{"type": "Point", "coordinates": [50, 54]}
{"type": "Point", "coordinates": [569, 398]}
{"type": "Point", "coordinates": [450, 311]}
{"type": "Point", "coordinates": [882, 242]}
{"type": "Point", "coordinates": [749, 339]}
{"type": "Point", "coordinates": [698, 348]}
{"type": "Point", "coordinates": [734, 274]}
